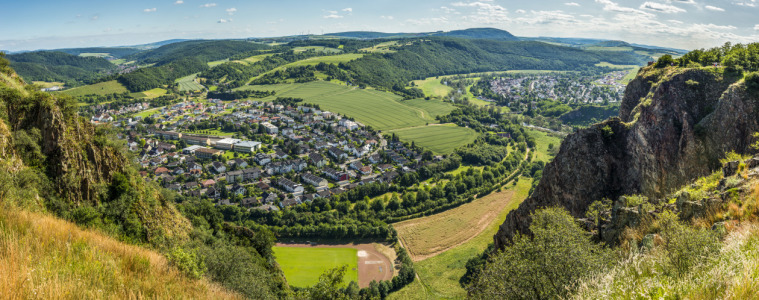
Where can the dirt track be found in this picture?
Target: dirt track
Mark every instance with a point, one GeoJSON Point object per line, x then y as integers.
{"type": "Point", "coordinates": [372, 265]}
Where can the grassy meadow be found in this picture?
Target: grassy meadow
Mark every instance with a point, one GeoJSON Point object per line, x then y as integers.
{"type": "Point", "coordinates": [43, 257]}
{"type": "Point", "coordinates": [381, 110]}
{"type": "Point", "coordinates": [188, 83]}
{"type": "Point", "coordinates": [543, 139]}
{"type": "Point", "coordinates": [101, 88]}
{"type": "Point", "coordinates": [441, 139]}
{"type": "Point", "coordinates": [303, 265]}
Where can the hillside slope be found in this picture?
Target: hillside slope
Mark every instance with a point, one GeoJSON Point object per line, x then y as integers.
{"type": "Point", "coordinates": [674, 126]}
{"type": "Point", "coordinates": [52, 162]}
{"type": "Point", "coordinates": [45, 257]}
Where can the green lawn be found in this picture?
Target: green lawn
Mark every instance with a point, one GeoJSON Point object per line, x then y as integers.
{"type": "Point", "coordinates": [102, 88]}
{"type": "Point", "coordinates": [441, 139]}
{"type": "Point", "coordinates": [439, 276]}
{"type": "Point", "coordinates": [302, 266]}
{"type": "Point", "coordinates": [381, 110]}
{"type": "Point", "coordinates": [188, 83]}
{"type": "Point", "coordinates": [543, 139]}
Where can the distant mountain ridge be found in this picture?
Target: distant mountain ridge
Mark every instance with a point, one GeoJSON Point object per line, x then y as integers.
{"type": "Point", "coordinates": [471, 33]}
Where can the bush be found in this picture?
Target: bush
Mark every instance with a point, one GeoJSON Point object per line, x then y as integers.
{"type": "Point", "coordinates": [189, 263]}
{"type": "Point", "coordinates": [546, 265]}
{"type": "Point", "coordinates": [686, 246]}
{"type": "Point", "coordinates": [665, 61]}
{"type": "Point", "coordinates": [752, 81]}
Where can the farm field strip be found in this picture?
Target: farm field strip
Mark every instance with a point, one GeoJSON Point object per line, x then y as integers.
{"type": "Point", "coordinates": [428, 236]}
{"type": "Point", "coordinates": [188, 83]}
{"type": "Point", "coordinates": [102, 88]}
{"type": "Point", "coordinates": [438, 138]}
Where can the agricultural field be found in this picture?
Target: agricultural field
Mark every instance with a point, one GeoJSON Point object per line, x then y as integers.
{"type": "Point", "coordinates": [433, 87]}
{"type": "Point", "coordinates": [254, 59]}
{"type": "Point", "coordinates": [317, 49]}
{"type": "Point", "coordinates": [331, 59]}
{"type": "Point", "coordinates": [302, 266]}
{"type": "Point", "coordinates": [102, 88]}
{"type": "Point", "coordinates": [381, 47]}
{"type": "Point", "coordinates": [103, 55]}
{"type": "Point", "coordinates": [429, 236]}
{"type": "Point", "coordinates": [441, 139]}
{"type": "Point", "coordinates": [188, 83]}
{"type": "Point", "coordinates": [543, 139]}
{"type": "Point", "coordinates": [630, 76]}
{"type": "Point", "coordinates": [45, 84]}
{"type": "Point", "coordinates": [616, 49]}
{"type": "Point", "coordinates": [619, 67]}
{"type": "Point", "coordinates": [212, 64]}
{"type": "Point", "coordinates": [381, 110]}
{"type": "Point", "coordinates": [439, 275]}
{"type": "Point", "coordinates": [154, 93]}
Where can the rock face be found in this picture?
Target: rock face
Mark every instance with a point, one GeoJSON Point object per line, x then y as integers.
{"type": "Point", "coordinates": [674, 125]}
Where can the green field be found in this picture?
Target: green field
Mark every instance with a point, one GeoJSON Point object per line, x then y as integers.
{"type": "Point", "coordinates": [154, 93]}
{"type": "Point", "coordinates": [439, 276]}
{"type": "Point", "coordinates": [188, 83]}
{"type": "Point", "coordinates": [381, 47]}
{"type": "Point", "coordinates": [441, 139]}
{"type": "Point", "coordinates": [102, 88]}
{"type": "Point", "coordinates": [331, 59]}
{"type": "Point", "coordinates": [255, 58]}
{"type": "Point", "coordinates": [543, 139]}
{"type": "Point", "coordinates": [619, 67]}
{"type": "Point", "coordinates": [381, 110]}
{"type": "Point", "coordinates": [302, 266]}
{"type": "Point", "coordinates": [216, 63]}
{"type": "Point", "coordinates": [616, 49]}
{"type": "Point", "coordinates": [95, 55]}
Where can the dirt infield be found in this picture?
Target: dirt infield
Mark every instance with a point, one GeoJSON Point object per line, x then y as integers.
{"type": "Point", "coordinates": [372, 264]}
{"type": "Point", "coordinates": [429, 236]}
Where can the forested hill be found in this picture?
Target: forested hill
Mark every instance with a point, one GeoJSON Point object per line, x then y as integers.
{"type": "Point", "coordinates": [471, 33]}
{"type": "Point", "coordinates": [202, 50]}
{"type": "Point", "coordinates": [58, 66]}
{"type": "Point", "coordinates": [428, 57]}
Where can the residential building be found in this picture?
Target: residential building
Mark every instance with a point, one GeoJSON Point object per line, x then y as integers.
{"type": "Point", "coordinates": [247, 146]}
{"type": "Point", "coordinates": [313, 180]}
{"type": "Point", "coordinates": [290, 186]}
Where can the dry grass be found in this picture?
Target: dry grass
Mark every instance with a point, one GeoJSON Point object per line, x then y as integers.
{"type": "Point", "coordinates": [42, 257]}
{"type": "Point", "coordinates": [429, 236]}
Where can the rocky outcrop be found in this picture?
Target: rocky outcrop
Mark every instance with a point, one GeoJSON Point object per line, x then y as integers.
{"type": "Point", "coordinates": [674, 126]}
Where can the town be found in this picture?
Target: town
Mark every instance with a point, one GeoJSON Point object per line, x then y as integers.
{"type": "Point", "coordinates": [563, 88]}
{"type": "Point", "coordinates": [278, 155]}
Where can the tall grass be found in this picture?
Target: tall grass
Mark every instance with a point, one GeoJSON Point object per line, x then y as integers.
{"type": "Point", "coordinates": [42, 257]}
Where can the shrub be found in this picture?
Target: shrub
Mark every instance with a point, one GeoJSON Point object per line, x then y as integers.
{"type": "Point", "coordinates": [752, 81]}
{"type": "Point", "coordinates": [546, 265]}
{"type": "Point", "coordinates": [685, 246]}
{"type": "Point", "coordinates": [189, 263]}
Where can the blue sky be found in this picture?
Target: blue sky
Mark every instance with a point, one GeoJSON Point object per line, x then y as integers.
{"type": "Point", "coordinates": [688, 24]}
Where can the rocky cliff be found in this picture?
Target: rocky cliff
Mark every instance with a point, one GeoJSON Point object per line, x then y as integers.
{"type": "Point", "coordinates": [674, 125]}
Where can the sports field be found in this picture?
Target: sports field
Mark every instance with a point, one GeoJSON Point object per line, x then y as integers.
{"type": "Point", "coordinates": [381, 110]}
{"type": "Point", "coordinates": [441, 139]}
{"type": "Point", "coordinates": [188, 83]}
{"type": "Point", "coordinates": [102, 88]}
{"type": "Point", "coordinates": [302, 266]}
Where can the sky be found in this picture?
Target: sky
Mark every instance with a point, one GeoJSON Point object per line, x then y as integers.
{"type": "Point", "coordinates": [685, 24]}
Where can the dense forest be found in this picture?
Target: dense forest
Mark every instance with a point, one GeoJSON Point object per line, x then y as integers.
{"type": "Point", "coordinates": [202, 50]}
{"type": "Point", "coordinates": [52, 66]}
{"type": "Point", "coordinates": [442, 56]}
{"type": "Point", "coordinates": [153, 77]}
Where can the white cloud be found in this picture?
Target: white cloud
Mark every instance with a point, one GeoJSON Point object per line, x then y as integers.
{"type": "Point", "coordinates": [387, 17]}
{"type": "Point", "coordinates": [231, 11]}
{"type": "Point", "coordinates": [749, 3]}
{"type": "Point", "coordinates": [95, 18]}
{"type": "Point", "coordinates": [348, 9]}
{"type": "Point", "coordinates": [486, 12]}
{"type": "Point", "coordinates": [209, 5]}
{"type": "Point", "coordinates": [149, 10]}
{"type": "Point", "coordinates": [691, 2]}
{"type": "Point", "coordinates": [714, 8]}
{"type": "Point", "coordinates": [448, 10]}
{"type": "Point", "coordinates": [220, 21]}
{"type": "Point", "coordinates": [756, 27]}
{"type": "Point", "coordinates": [662, 8]}
{"type": "Point", "coordinates": [179, 2]}
{"type": "Point", "coordinates": [333, 16]}
{"type": "Point", "coordinates": [520, 11]}
{"type": "Point", "coordinates": [615, 7]}
{"type": "Point", "coordinates": [572, 4]}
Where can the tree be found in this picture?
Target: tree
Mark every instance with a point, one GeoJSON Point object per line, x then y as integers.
{"type": "Point", "coordinates": [546, 265]}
